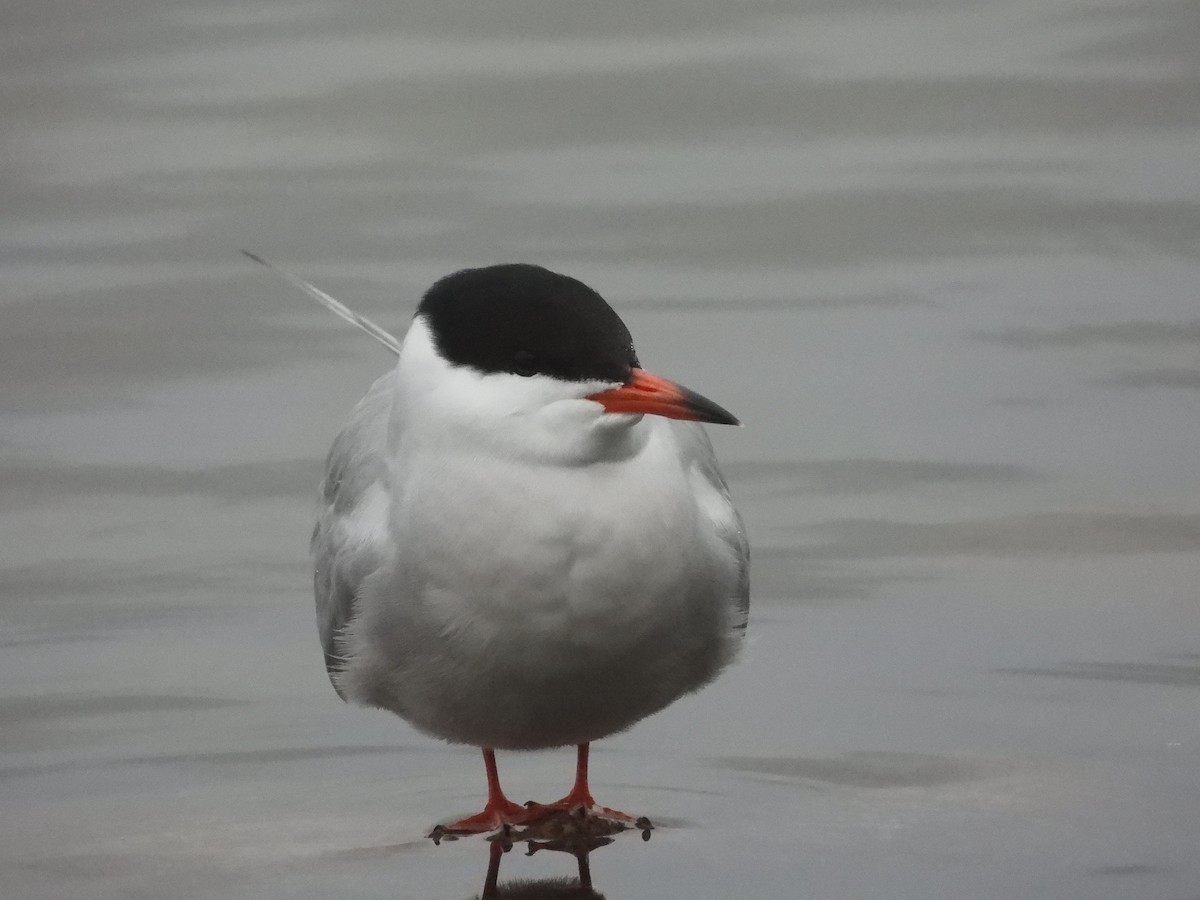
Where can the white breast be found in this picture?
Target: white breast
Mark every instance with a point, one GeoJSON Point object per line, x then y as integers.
{"type": "Point", "coordinates": [530, 606]}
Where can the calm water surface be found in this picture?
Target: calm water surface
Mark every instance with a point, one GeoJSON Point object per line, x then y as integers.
{"type": "Point", "coordinates": [942, 259]}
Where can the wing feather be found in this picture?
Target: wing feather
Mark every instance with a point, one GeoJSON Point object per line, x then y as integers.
{"type": "Point", "coordinates": [698, 456]}
{"type": "Point", "coordinates": [350, 538]}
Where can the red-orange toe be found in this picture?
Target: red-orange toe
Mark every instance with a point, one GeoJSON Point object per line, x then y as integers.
{"type": "Point", "coordinates": [496, 815]}
{"type": "Point", "coordinates": [577, 801]}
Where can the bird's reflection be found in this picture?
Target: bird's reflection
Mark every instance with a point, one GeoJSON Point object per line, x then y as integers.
{"type": "Point", "coordinates": [578, 833]}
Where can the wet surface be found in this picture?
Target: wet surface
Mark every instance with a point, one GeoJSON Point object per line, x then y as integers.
{"type": "Point", "coordinates": [940, 258]}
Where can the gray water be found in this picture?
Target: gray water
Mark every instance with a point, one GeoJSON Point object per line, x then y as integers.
{"type": "Point", "coordinates": [942, 258]}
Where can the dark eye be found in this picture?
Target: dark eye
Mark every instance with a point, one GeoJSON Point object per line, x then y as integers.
{"type": "Point", "coordinates": [525, 363]}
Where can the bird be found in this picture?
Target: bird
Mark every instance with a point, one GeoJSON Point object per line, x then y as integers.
{"type": "Point", "coordinates": [524, 540]}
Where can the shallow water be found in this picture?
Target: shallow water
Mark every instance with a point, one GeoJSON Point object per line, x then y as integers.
{"type": "Point", "coordinates": [942, 260]}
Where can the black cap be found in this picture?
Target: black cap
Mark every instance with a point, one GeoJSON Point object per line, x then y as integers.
{"type": "Point", "coordinates": [527, 320]}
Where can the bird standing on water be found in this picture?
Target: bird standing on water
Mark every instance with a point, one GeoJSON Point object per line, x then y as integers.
{"type": "Point", "coordinates": [518, 548]}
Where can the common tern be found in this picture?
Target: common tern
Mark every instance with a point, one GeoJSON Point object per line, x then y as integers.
{"type": "Point", "coordinates": [524, 539]}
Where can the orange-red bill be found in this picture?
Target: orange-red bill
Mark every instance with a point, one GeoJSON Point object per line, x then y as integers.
{"type": "Point", "coordinates": [651, 395]}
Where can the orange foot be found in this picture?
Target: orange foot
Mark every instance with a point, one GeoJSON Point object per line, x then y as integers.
{"type": "Point", "coordinates": [580, 798]}
{"type": "Point", "coordinates": [499, 812]}
{"type": "Point", "coordinates": [574, 803]}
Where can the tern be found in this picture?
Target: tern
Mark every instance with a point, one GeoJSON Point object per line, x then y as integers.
{"type": "Point", "coordinates": [524, 539]}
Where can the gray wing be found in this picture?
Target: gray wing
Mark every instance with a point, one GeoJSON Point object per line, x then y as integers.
{"type": "Point", "coordinates": [349, 542]}
{"type": "Point", "coordinates": [698, 456]}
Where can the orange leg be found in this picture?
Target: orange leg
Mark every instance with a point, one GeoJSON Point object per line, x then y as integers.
{"type": "Point", "coordinates": [497, 812]}
{"type": "Point", "coordinates": [579, 796]}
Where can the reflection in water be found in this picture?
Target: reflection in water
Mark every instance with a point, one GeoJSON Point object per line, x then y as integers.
{"type": "Point", "coordinates": [577, 833]}
{"type": "Point", "coordinates": [552, 887]}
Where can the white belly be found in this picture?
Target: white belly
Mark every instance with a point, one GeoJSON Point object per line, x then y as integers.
{"type": "Point", "coordinates": [541, 606]}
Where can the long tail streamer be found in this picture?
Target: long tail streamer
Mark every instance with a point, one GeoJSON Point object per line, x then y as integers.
{"type": "Point", "coordinates": [337, 308]}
